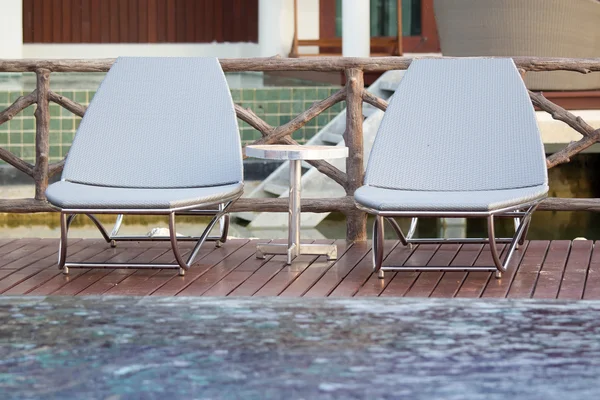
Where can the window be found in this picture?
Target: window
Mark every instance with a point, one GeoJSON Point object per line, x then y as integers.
{"type": "Point", "coordinates": [384, 18]}
{"type": "Point", "coordinates": [419, 31]}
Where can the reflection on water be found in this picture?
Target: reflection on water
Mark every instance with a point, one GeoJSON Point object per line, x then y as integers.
{"type": "Point", "coordinates": [576, 179]}
{"type": "Point", "coordinates": [545, 225]}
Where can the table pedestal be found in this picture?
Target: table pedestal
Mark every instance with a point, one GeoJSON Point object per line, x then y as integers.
{"type": "Point", "coordinates": [293, 248]}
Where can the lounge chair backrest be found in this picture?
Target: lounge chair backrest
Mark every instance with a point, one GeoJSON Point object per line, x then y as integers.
{"type": "Point", "coordinates": [458, 125]}
{"type": "Point", "coordinates": [158, 123]}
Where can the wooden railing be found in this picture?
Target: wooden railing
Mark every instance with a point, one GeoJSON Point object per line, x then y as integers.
{"type": "Point", "coordinates": [353, 93]}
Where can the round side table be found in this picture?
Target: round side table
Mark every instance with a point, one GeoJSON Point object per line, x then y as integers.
{"type": "Point", "coordinates": [295, 155]}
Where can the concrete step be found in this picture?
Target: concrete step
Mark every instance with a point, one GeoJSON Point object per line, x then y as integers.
{"type": "Point", "coordinates": [390, 81]}
{"type": "Point", "coordinates": [276, 188]}
{"type": "Point", "coordinates": [331, 138]}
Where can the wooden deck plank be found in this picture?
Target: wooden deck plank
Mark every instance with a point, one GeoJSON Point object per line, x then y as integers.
{"type": "Point", "coordinates": [111, 283]}
{"type": "Point", "coordinates": [499, 287]}
{"type": "Point", "coordinates": [92, 247]}
{"type": "Point", "coordinates": [361, 273]}
{"type": "Point", "coordinates": [171, 286]}
{"type": "Point", "coordinates": [48, 270]}
{"type": "Point", "coordinates": [278, 283]}
{"type": "Point", "coordinates": [145, 282]}
{"type": "Point", "coordinates": [338, 271]}
{"type": "Point", "coordinates": [31, 253]}
{"type": "Point", "coordinates": [313, 273]}
{"type": "Point", "coordinates": [220, 270]}
{"type": "Point", "coordinates": [524, 282]}
{"type": "Point", "coordinates": [238, 276]}
{"type": "Point", "coordinates": [22, 252]}
{"type": "Point", "coordinates": [24, 268]}
{"type": "Point", "coordinates": [403, 280]}
{"type": "Point", "coordinates": [428, 280]}
{"type": "Point", "coordinates": [88, 276]}
{"type": "Point", "coordinates": [4, 242]}
{"type": "Point", "coordinates": [12, 250]}
{"type": "Point", "coordinates": [476, 281]}
{"type": "Point", "coordinates": [374, 285]}
{"type": "Point", "coordinates": [115, 277]}
{"type": "Point", "coordinates": [451, 281]}
{"type": "Point", "coordinates": [541, 269]}
{"type": "Point", "coordinates": [268, 270]}
{"type": "Point", "coordinates": [550, 275]}
{"type": "Point", "coordinates": [573, 281]}
{"type": "Point", "coordinates": [592, 284]}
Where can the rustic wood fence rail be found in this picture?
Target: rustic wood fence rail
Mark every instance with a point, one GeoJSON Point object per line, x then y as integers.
{"type": "Point", "coordinates": [354, 94]}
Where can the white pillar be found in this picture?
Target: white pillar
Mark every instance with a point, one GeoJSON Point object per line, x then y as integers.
{"type": "Point", "coordinates": [308, 23]}
{"type": "Point", "coordinates": [356, 37]}
{"type": "Point", "coordinates": [11, 28]}
{"type": "Point", "coordinates": [275, 27]}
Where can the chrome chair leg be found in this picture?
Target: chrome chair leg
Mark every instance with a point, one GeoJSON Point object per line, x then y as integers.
{"type": "Point", "coordinates": [525, 230]}
{"type": "Point", "coordinates": [181, 264]}
{"type": "Point", "coordinates": [398, 230]}
{"type": "Point", "coordinates": [224, 227]}
{"type": "Point", "coordinates": [517, 222]}
{"type": "Point", "coordinates": [185, 265]}
{"type": "Point", "coordinates": [503, 265]}
{"type": "Point", "coordinates": [412, 229]}
{"type": "Point", "coordinates": [115, 230]}
{"type": "Point", "coordinates": [378, 235]}
{"type": "Point", "coordinates": [100, 227]}
{"type": "Point", "coordinates": [65, 223]}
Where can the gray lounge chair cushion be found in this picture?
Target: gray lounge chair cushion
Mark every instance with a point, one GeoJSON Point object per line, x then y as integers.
{"type": "Point", "coordinates": [71, 195]}
{"type": "Point", "coordinates": [410, 200]}
{"type": "Point", "coordinates": [458, 125]}
{"type": "Point", "coordinates": [458, 135]}
{"type": "Point", "coordinates": [158, 123]}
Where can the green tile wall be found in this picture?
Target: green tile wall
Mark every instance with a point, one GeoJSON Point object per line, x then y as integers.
{"type": "Point", "coordinates": [276, 105]}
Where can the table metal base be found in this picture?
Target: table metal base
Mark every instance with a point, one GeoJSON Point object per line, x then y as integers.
{"type": "Point", "coordinates": [295, 155]}
{"type": "Point", "coordinates": [329, 250]}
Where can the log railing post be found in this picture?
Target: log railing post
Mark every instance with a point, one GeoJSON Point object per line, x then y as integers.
{"type": "Point", "coordinates": [356, 221]}
{"type": "Point", "coordinates": [42, 128]}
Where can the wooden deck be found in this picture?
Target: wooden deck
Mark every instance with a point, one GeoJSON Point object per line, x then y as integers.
{"type": "Point", "coordinates": [541, 269]}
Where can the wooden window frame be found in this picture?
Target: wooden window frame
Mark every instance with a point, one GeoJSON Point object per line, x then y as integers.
{"type": "Point", "coordinates": [427, 42]}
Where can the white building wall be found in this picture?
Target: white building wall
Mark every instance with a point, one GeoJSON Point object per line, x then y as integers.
{"type": "Point", "coordinates": [11, 28]}
{"type": "Point", "coordinates": [222, 50]}
{"type": "Point", "coordinates": [356, 39]}
{"type": "Point", "coordinates": [275, 27]}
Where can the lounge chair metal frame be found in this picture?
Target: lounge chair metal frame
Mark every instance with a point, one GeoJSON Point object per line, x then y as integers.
{"type": "Point", "coordinates": [68, 215]}
{"type": "Point", "coordinates": [113, 237]}
{"type": "Point", "coordinates": [521, 214]}
{"type": "Point", "coordinates": [474, 152]}
{"type": "Point", "coordinates": [224, 222]}
{"type": "Point", "coordinates": [116, 164]}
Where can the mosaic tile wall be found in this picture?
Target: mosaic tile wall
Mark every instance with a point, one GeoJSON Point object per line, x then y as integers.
{"type": "Point", "coordinates": [276, 105]}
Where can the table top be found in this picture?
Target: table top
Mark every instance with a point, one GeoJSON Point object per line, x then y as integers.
{"type": "Point", "coordinates": [290, 152]}
{"type": "Point", "coordinates": [274, 348]}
